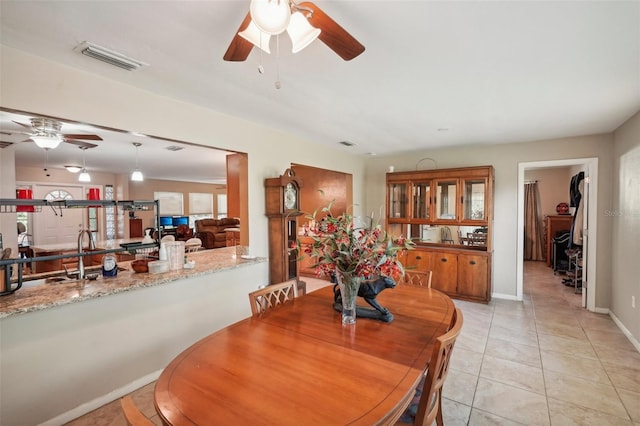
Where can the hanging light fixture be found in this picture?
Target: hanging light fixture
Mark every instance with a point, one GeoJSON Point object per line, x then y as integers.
{"type": "Point", "coordinates": [73, 169]}
{"type": "Point", "coordinates": [273, 17]}
{"type": "Point", "coordinates": [47, 133]}
{"type": "Point", "coordinates": [137, 176]}
{"type": "Point", "coordinates": [84, 175]}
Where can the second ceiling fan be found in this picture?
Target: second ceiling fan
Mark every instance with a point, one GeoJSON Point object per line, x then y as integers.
{"type": "Point", "coordinates": [303, 21]}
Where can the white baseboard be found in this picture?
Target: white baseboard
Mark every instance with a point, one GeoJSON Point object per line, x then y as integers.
{"type": "Point", "coordinates": [626, 332]}
{"type": "Point", "coordinates": [102, 400]}
{"type": "Point", "coordinates": [601, 311]}
{"type": "Point", "coordinates": [505, 297]}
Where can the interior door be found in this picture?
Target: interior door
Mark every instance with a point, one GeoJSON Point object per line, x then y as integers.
{"type": "Point", "coordinates": [59, 226]}
{"type": "Point", "coordinates": [585, 235]}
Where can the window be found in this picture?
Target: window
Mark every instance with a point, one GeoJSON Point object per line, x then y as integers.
{"type": "Point", "coordinates": [222, 206]}
{"type": "Point", "coordinates": [200, 203]}
{"type": "Point", "coordinates": [171, 203]}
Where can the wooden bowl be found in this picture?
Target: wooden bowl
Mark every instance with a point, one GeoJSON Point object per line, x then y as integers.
{"type": "Point", "coordinates": [140, 265]}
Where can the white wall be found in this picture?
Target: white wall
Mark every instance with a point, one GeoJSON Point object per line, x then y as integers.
{"type": "Point", "coordinates": [624, 215]}
{"type": "Point", "coordinates": [32, 84]}
{"type": "Point", "coordinates": [505, 159]}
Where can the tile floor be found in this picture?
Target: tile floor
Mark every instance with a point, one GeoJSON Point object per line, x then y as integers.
{"type": "Point", "coordinates": [543, 361]}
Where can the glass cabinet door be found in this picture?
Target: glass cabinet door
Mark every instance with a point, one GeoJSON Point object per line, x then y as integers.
{"type": "Point", "coordinates": [421, 200]}
{"type": "Point", "coordinates": [446, 196]}
{"type": "Point", "coordinates": [398, 200]}
{"type": "Point", "coordinates": [473, 199]}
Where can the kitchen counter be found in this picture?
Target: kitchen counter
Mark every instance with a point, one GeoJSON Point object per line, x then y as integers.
{"type": "Point", "coordinates": [48, 295]}
{"type": "Point", "coordinates": [106, 244]}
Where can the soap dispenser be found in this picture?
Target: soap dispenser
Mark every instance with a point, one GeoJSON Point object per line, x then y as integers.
{"type": "Point", "coordinates": [109, 265]}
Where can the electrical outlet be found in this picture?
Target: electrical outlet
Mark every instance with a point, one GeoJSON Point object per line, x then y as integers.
{"type": "Point", "coordinates": [633, 302]}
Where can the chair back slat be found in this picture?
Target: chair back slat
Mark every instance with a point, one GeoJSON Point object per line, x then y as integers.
{"type": "Point", "coordinates": [271, 296]}
{"type": "Point", "coordinates": [417, 278]}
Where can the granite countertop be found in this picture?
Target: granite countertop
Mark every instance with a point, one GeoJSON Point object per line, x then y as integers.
{"type": "Point", "coordinates": [48, 295]}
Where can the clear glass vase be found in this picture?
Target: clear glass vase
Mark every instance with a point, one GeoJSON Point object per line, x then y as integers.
{"type": "Point", "coordinates": [349, 285]}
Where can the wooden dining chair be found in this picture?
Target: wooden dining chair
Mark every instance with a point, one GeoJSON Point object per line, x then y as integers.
{"type": "Point", "coordinates": [417, 278]}
{"type": "Point", "coordinates": [429, 405]}
{"type": "Point", "coordinates": [131, 412]}
{"type": "Point", "coordinates": [271, 296]}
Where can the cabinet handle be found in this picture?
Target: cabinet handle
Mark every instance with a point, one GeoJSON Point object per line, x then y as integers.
{"type": "Point", "coordinates": [472, 262]}
{"type": "Point", "coordinates": [444, 259]}
{"type": "Point", "coordinates": [418, 257]}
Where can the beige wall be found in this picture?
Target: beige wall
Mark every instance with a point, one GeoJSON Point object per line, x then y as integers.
{"type": "Point", "coordinates": [624, 215]}
{"type": "Point", "coordinates": [553, 185]}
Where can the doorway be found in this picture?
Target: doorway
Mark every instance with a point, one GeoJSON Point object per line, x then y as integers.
{"type": "Point", "coordinates": [590, 167]}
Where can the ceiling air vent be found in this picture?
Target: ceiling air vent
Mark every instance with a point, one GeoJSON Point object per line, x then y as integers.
{"type": "Point", "coordinates": [109, 56]}
{"type": "Point", "coordinates": [174, 148]}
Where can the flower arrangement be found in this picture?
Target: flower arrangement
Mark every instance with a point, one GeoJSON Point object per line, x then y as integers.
{"type": "Point", "coordinates": [353, 247]}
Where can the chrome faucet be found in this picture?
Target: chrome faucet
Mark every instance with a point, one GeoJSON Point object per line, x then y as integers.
{"type": "Point", "coordinates": [92, 245]}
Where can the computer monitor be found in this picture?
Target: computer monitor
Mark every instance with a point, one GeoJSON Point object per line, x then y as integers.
{"type": "Point", "coordinates": [166, 221]}
{"type": "Point", "coordinates": [180, 220]}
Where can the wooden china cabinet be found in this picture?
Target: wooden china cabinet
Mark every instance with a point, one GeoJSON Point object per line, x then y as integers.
{"type": "Point", "coordinates": [448, 213]}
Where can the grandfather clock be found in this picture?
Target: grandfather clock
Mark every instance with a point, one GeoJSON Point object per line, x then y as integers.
{"type": "Point", "coordinates": [282, 209]}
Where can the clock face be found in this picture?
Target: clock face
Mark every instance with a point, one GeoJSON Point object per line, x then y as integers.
{"type": "Point", "coordinates": [290, 197]}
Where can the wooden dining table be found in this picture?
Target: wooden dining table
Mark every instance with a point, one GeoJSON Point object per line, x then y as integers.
{"type": "Point", "coordinates": [298, 365]}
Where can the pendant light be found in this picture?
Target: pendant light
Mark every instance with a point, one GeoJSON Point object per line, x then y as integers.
{"type": "Point", "coordinates": [84, 175]}
{"type": "Point", "coordinates": [137, 176]}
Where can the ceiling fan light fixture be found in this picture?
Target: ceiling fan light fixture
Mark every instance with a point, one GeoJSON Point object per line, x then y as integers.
{"type": "Point", "coordinates": [302, 33]}
{"type": "Point", "coordinates": [270, 16]}
{"type": "Point", "coordinates": [73, 169]}
{"type": "Point", "coordinates": [47, 141]}
{"type": "Point", "coordinates": [84, 176]}
{"type": "Point", "coordinates": [256, 37]}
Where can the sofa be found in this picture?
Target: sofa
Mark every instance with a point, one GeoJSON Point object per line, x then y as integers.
{"type": "Point", "coordinates": [211, 231]}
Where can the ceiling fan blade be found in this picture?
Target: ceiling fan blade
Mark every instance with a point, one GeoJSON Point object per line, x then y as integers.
{"type": "Point", "coordinates": [239, 48]}
{"type": "Point", "coordinates": [333, 35]}
{"type": "Point", "coordinates": [79, 136]}
{"type": "Point", "coordinates": [28, 126]}
{"type": "Point", "coordinates": [81, 143]}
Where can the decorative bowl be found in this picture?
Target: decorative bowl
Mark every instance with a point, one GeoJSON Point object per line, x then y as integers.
{"type": "Point", "coordinates": [140, 265]}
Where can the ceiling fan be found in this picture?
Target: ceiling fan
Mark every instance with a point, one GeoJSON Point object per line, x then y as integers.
{"type": "Point", "coordinates": [271, 17]}
{"type": "Point", "coordinates": [47, 134]}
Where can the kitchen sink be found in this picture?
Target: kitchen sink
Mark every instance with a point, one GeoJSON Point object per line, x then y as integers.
{"type": "Point", "coordinates": [62, 278]}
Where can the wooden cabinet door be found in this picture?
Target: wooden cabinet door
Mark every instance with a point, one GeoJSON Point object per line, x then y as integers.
{"type": "Point", "coordinates": [445, 272]}
{"type": "Point", "coordinates": [418, 259]}
{"type": "Point", "coordinates": [473, 276]}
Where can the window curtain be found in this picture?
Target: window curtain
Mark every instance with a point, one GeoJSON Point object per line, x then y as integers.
{"type": "Point", "coordinates": [533, 231]}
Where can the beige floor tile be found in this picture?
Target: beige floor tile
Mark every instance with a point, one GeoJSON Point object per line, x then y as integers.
{"type": "Point", "coordinates": [475, 342]}
{"type": "Point", "coordinates": [567, 345]}
{"type": "Point", "coordinates": [631, 401]}
{"type": "Point", "coordinates": [559, 329]}
{"type": "Point", "coordinates": [585, 393]}
{"type": "Point", "coordinates": [524, 338]}
{"type": "Point", "coordinates": [460, 386]}
{"type": "Point", "coordinates": [593, 321]}
{"type": "Point", "coordinates": [567, 414]}
{"type": "Point", "coordinates": [623, 377]}
{"type": "Point", "coordinates": [107, 415]}
{"type": "Point", "coordinates": [466, 361]}
{"type": "Point", "coordinates": [516, 323]}
{"type": "Point", "coordinates": [454, 413]}
{"type": "Point", "coordinates": [620, 357]}
{"type": "Point", "coordinates": [511, 403]}
{"type": "Point", "coordinates": [611, 338]}
{"type": "Point", "coordinates": [511, 351]}
{"type": "Point", "coordinates": [571, 365]}
{"type": "Point", "coordinates": [482, 418]}
{"type": "Point", "coordinates": [513, 373]}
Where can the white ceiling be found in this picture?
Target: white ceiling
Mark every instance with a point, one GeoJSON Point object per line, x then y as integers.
{"type": "Point", "coordinates": [434, 73]}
